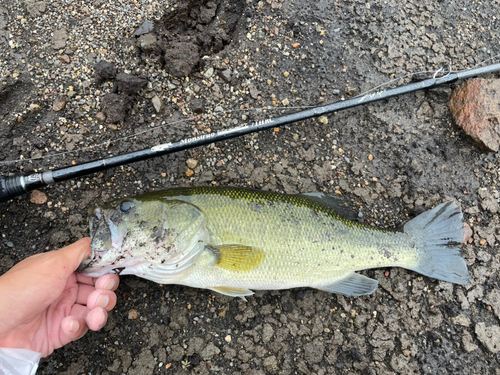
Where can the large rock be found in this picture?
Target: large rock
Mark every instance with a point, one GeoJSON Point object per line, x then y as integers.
{"type": "Point", "coordinates": [115, 106]}
{"type": "Point", "coordinates": [489, 336]}
{"type": "Point", "coordinates": [181, 58]}
{"type": "Point", "coordinates": [59, 38]}
{"type": "Point", "coordinates": [130, 84]}
{"type": "Point", "coordinates": [474, 106]}
{"type": "Point", "coordinates": [104, 70]}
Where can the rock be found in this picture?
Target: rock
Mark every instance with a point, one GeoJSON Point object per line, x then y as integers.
{"type": "Point", "coordinates": [148, 42]}
{"type": "Point", "coordinates": [181, 58]}
{"type": "Point", "coordinates": [38, 197]}
{"type": "Point", "coordinates": [313, 351]}
{"type": "Point", "coordinates": [461, 319]}
{"type": "Point", "coordinates": [130, 84]}
{"type": "Point", "coordinates": [324, 173]}
{"type": "Point", "coordinates": [207, 13]}
{"type": "Point", "coordinates": [349, 90]}
{"type": "Point", "coordinates": [323, 120]}
{"type": "Point", "coordinates": [192, 163]}
{"type": "Point", "coordinates": [209, 351]}
{"type": "Point", "coordinates": [115, 106]}
{"type": "Point", "coordinates": [209, 73]}
{"type": "Point", "coordinates": [489, 336]}
{"type": "Point", "coordinates": [144, 364]}
{"type": "Point", "coordinates": [489, 202]}
{"type": "Point", "coordinates": [493, 298]}
{"type": "Point", "coordinates": [59, 237]}
{"type": "Point", "coordinates": [225, 75]}
{"type": "Point", "coordinates": [157, 103]}
{"type": "Point", "coordinates": [104, 70]}
{"type": "Point", "coordinates": [59, 39]}
{"type": "Point", "coordinates": [34, 108]}
{"type": "Point", "coordinates": [467, 233]}
{"type": "Point", "coordinates": [65, 59]}
{"type": "Point", "coordinates": [195, 346]}
{"type": "Point", "coordinates": [35, 9]}
{"type": "Point", "coordinates": [133, 314]}
{"type": "Point", "coordinates": [308, 155]}
{"type": "Point", "coordinates": [474, 107]}
{"type": "Point", "coordinates": [146, 27]}
{"type": "Point", "coordinates": [198, 105]}
{"type": "Point", "coordinates": [176, 353]}
{"type": "Point", "coordinates": [468, 342]}
{"type": "Point", "coordinates": [100, 116]}
{"type": "Point", "coordinates": [271, 364]}
{"type": "Point", "coordinates": [59, 104]}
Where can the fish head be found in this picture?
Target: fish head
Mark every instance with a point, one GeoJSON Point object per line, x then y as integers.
{"type": "Point", "coordinates": [130, 235]}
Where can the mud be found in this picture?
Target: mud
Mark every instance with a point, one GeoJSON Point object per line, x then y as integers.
{"type": "Point", "coordinates": [389, 161]}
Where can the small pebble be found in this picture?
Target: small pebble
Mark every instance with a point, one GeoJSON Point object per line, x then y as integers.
{"type": "Point", "coordinates": [133, 314]}
{"type": "Point", "coordinates": [191, 163]}
{"type": "Point", "coordinates": [189, 172]}
{"type": "Point", "coordinates": [59, 104]}
{"type": "Point", "coordinates": [323, 120]}
{"type": "Point", "coordinates": [209, 73]}
{"type": "Point", "coordinates": [38, 197]}
{"type": "Point", "coordinates": [228, 338]}
{"type": "Point", "coordinates": [100, 116]}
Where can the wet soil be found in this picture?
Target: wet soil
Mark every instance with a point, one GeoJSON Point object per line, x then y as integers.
{"type": "Point", "coordinates": [232, 62]}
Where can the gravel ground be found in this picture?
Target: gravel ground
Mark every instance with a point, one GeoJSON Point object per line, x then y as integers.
{"type": "Point", "coordinates": [228, 63]}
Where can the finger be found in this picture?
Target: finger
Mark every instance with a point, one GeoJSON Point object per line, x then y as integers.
{"type": "Point", "coordinates": [75, 253]}
{"type": "Point", "coordinates": [89, 280]}
{"type": "Point", "coordinates": [79, 311]}
{"type": "Point", "coordinates": [72, 328]}
{"type": "Point", "coordinates": [96, 319]}
{"type": "Point", "coordinates": [108, 282]}
{"type": "Point", "coordinates": [84, 292]}
{"type": "Point", "coordinates": [101, 298]}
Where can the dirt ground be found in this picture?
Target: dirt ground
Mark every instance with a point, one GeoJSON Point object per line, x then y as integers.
{"type": "Point", "coordinates": [228, 63]}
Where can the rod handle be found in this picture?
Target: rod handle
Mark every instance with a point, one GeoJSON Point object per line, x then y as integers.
{"type": "Point", "coordinates": [11, 187]}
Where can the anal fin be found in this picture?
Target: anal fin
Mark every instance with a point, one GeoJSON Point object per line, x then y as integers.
{"type": "Point", "coordinates": [232, 292]}
{"type": "Point", "coordinates": [353, 284]}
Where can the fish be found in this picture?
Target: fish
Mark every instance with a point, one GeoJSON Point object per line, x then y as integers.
{"type": "Point", "coordinates": [236, 240]}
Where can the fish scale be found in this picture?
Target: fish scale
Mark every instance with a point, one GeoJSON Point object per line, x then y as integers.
{"type": "Point", "coordinates": [241, 239]}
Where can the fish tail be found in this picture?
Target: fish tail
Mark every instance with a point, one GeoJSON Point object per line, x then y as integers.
{"type": "Point", "coordinates": [438, 235]}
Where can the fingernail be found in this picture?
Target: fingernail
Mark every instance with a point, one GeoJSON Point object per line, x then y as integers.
{"type": "Point", "coordinates": [109, 284]}
{"type": "Point", "coordinates": [102, 301]}
{"type": "Point", "coordinates": [103, 322]}
{"type": "Point", "coordinates": [74, 326]}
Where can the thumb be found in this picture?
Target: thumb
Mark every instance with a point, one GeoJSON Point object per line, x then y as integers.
{"type": "Point", "coordinates": [75, 253]}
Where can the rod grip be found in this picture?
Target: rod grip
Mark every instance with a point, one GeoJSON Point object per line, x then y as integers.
{"type": "Point", "coordinates": [11, 187]}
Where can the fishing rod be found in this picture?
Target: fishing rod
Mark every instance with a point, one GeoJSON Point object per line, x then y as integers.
{"type": "Point", "coordinates": [12, 186]}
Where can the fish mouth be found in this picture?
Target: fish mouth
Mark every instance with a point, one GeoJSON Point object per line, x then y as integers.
{"type": "Point", "coordinates": [100, 238]}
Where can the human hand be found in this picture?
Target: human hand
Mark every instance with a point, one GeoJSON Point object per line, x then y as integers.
{"type": "Point", "coordinates": [45, 305]}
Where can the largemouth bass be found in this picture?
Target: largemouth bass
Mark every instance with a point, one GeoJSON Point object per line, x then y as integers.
{"type": "Point", "coordinates": [235, 240]}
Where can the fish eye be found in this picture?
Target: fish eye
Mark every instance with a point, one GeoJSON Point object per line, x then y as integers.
{"type": "Point", "coordinates": [126, 206]}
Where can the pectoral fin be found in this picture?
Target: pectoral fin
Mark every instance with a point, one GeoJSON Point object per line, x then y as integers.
{"type": "Point", "coordinates": [236, 258]}
{"type": "Point", "coordinates": [353, 284]}
{"type": "Point", "coordinates": [232, 292]}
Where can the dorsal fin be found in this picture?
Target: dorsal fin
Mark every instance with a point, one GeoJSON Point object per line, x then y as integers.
{"type": "Point", "coordinates": [335, 203]}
